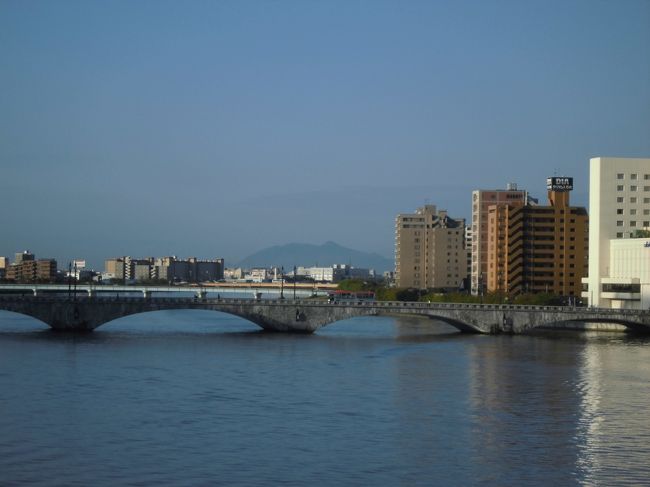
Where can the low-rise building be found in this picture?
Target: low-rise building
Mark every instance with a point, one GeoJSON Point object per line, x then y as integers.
{"type": "Point", "coordinates": [192, 270]}
{"type": "Point", "coordinates": [234, 274]}
{"type": "Point", "coordinates": [32, 271]}
{"type": "Point", "coordinates": [334, 273]}
{"type": "Point", "coordinates": [258, 274]}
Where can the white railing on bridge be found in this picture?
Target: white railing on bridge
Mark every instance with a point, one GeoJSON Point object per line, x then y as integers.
{"type": "Point", "coordinates": [225, 296]}
{"type": "Point", "coordinates": [201, 291]}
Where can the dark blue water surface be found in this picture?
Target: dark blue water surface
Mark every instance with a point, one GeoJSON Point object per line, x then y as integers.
{"type": "Point", "coordinates": [202, 398]}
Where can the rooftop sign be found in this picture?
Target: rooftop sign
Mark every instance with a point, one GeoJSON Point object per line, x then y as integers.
{"type": "Point", "coordinates": [559, 184]}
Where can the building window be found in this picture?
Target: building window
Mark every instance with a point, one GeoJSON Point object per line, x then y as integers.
{"type": "Point", "coordinates": [646, 176]}
{"type": "Point", "coordinates": [633, 223]}
{"type": "Point", "coordinates": [619, 187]}
{"type": "Point", "coordinates": [620, 175]}
{"type": "Point", "coordinates": [646, 188]}
{"type": "Point", "coordinates": [621, 288]}
{"type": "Point", "coordinates": [633, 176]}
{"type": "Point", "coordinates": [646, 212]}
{"type": "Point", "coordinates": [633, 212]}
{"type": "Point", "coordinates": [646, 200]}
{"type": "Point", "coordinates": [619, 235]}
{"type": "Point", "coordinates": [632, 188]}
{"type": "Point", "coordinates": [619, 199]}
{"type": "Point", "coordinates": [619, 223]}
{"type": "Point", "coordinates": [633, 199]}
{"type": "Point", "coordinates": [619, 211]}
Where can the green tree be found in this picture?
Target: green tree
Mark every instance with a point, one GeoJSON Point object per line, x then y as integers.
{"type": "Point", "coordinates": [355, 285]}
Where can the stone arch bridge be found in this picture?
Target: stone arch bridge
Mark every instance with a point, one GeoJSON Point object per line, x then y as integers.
{"type": "Point", "coordinates": [308, 315]}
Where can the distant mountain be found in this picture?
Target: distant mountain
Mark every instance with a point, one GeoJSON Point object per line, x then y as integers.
{"type": "Point", "coordinates": [308, 255]}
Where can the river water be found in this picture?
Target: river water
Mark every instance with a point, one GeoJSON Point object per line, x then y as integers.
{"type": "Point", "coordinates": [203, 398]}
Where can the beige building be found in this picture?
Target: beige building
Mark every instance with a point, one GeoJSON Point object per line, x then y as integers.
{"type": "Point", "coordinates": [619, 246]}
{"type": "Point", "coordinates": [482, 199]}
{"type": "Point", "coordinates": [429, 250]}
{"type": "Point", "coordinates": [115, 267]}
{"type": "Point", "coordinates": [4, 263]}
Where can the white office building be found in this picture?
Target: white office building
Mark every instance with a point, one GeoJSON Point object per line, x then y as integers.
{"type": "Point", "coordinates": [619, 225]}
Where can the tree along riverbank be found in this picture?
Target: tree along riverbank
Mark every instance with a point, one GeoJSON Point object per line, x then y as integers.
{"type": "Point", "coordinates": [384, 293]}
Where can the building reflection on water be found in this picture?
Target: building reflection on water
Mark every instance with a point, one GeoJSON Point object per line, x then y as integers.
{"type": "Point", "coordinates": [567, 407]}
{"type": "Point", "coordinates": [614, 392]}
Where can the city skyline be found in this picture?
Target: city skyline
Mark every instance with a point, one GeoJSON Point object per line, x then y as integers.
{"type": "Point", "coordinates": [218, 129]}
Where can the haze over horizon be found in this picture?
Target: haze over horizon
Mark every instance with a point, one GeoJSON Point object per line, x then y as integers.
{"type": "Point", "coordinates": [215, 129]}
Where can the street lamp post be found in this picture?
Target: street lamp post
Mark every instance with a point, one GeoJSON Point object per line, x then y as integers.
{"type": "Point", "coordinates": [69, 281]}
{"type": "Point", "coordinates": [294, 282]}
{"type": "Point", "coordinates": [282, 282]}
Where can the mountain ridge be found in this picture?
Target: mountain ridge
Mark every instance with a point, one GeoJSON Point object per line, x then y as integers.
{"type": "Point", "coordinates": [307, 255]}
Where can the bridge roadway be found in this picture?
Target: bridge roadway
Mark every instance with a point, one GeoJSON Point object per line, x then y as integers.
{"type": "Point", "coordinates": [308, 315]}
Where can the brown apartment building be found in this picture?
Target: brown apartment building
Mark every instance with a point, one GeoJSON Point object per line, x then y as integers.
{"type": "Point", "coordinates": [41, 270]}
{"type": "Point", "coordinates": [535, 249]}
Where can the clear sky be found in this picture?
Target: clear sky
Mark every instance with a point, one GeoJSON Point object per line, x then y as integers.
{"type": "Point", "coordinates": [217, 128]}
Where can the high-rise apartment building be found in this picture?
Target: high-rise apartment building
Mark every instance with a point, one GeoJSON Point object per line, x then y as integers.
{"type": "Point", "coordinates": [429, 250]}
{"type": "Point", "coordinates": [482, 199]}
{"type": "Point", "coordinates": [619, 247]}
{"type": "Point", "coordinates": [468, 248]}
{"type": "Point", "coordinates": [534, 248]}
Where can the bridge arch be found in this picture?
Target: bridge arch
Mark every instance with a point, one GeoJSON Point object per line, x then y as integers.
{"type": "Point", "coordinates": [13, 314]}
{"type": "Point", "coordinates": [628, 324]}
{"type": "Point", "coordinates": [216, 312]}
{"type": "Point", "coordinates": [458, 324]}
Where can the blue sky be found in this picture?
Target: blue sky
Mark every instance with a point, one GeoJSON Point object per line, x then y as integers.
{"type": "Point", "coordinates": [215, 129]}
